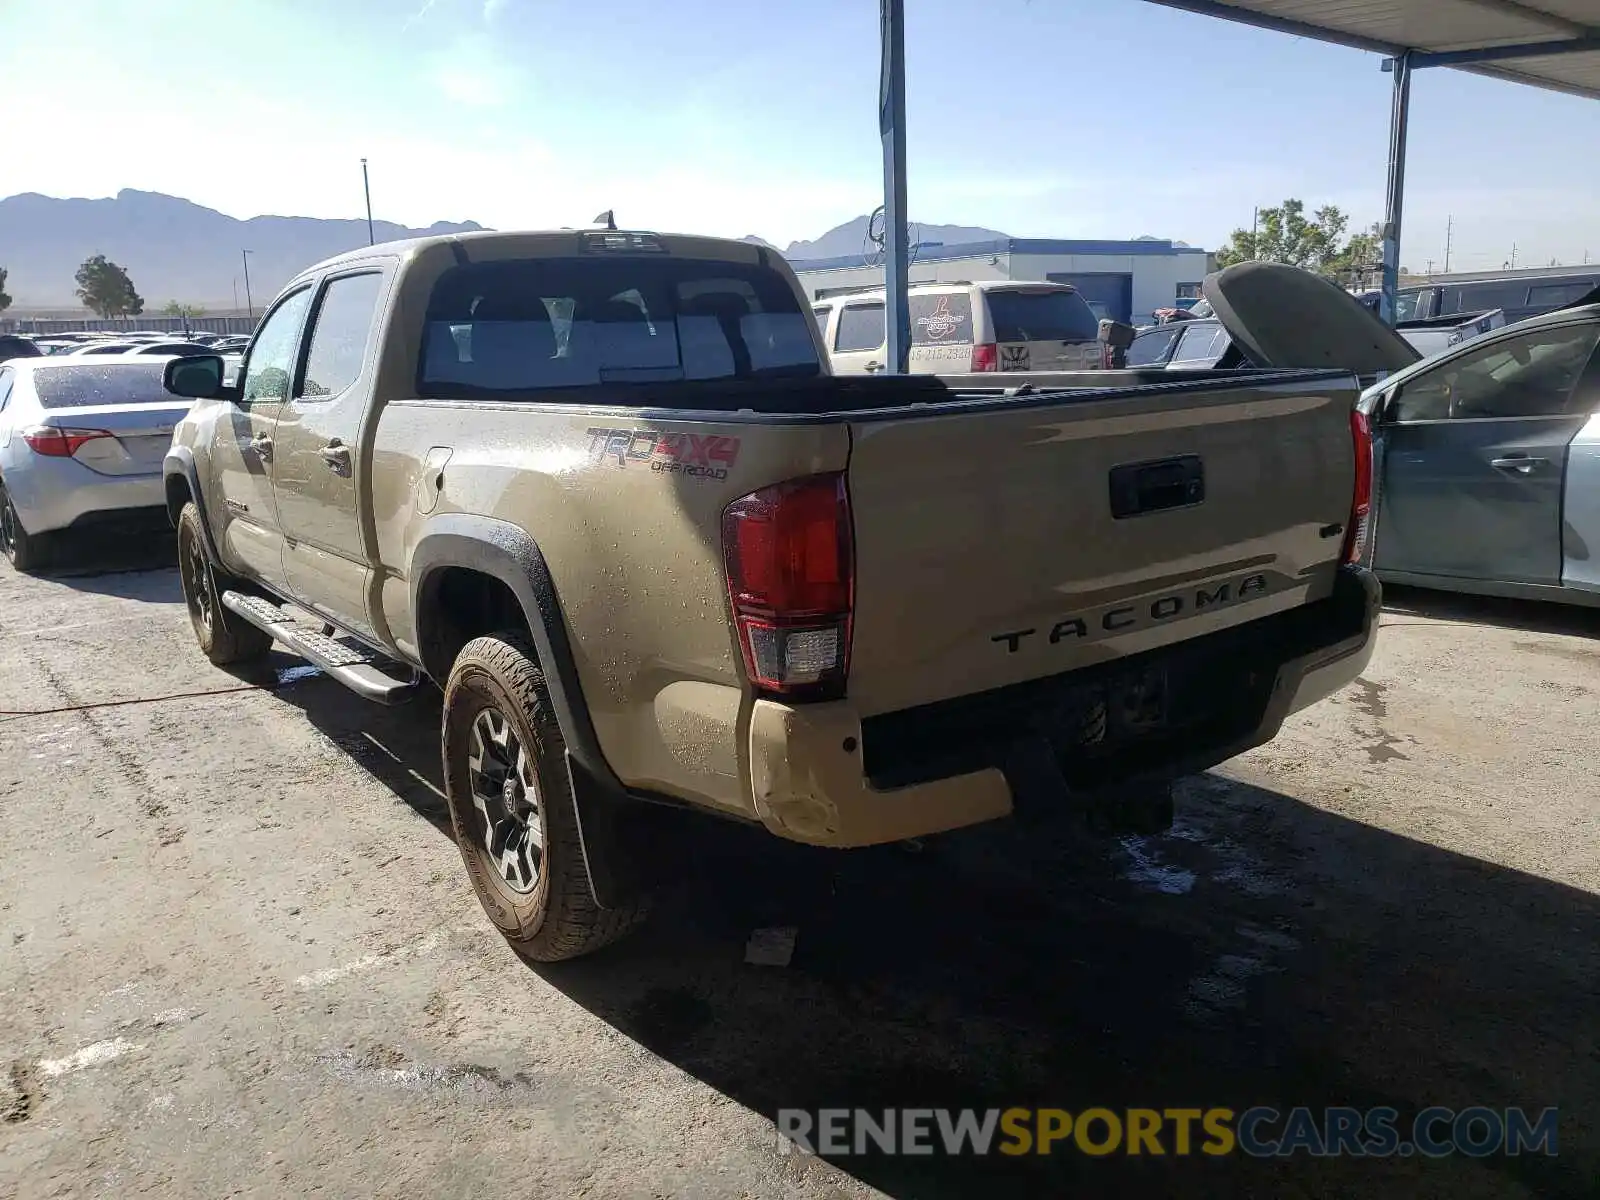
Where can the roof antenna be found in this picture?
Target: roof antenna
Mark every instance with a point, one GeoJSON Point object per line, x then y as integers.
{"type": "Point", "coordinates": [608, 219]}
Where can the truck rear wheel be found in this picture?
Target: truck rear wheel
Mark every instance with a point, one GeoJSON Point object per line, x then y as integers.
{"type": "Point", "coordinates": [225, 637]}
{"type": "Point", "coordinates": [511, 805]}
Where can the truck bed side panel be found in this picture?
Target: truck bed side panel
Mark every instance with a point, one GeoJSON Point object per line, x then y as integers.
{"type": "Point", "coordinates": [627, 514]}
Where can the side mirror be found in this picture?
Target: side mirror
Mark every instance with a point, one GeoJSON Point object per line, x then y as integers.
{"type": "Point", "coordinates": [1116, 334]}
{"type": "Point", "coordinates": [197, 376]}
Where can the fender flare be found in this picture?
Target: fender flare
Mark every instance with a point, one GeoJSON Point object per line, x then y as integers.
{"type": "Point", "coordinates": [179, 461]}
{"type": "Point", "coordinates": [509, 554]}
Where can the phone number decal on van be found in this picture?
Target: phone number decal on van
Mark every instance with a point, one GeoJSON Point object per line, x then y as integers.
{"type": "Point", "coordinates": [699, 457]}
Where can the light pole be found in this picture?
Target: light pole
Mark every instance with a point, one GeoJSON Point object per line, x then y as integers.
{"type": "Point", "coordinates": [250, 305]}
{"type": "Point", "coordinates": [366, 188]}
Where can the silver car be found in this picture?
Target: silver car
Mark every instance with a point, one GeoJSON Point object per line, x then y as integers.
{"type": "Point", "coordinates": [81, 443]}
{"type": "Point", "coordinates": [1488, 463]}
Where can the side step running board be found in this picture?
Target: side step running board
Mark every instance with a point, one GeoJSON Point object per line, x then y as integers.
{"type": "Point", "coordinates": [346, 664]}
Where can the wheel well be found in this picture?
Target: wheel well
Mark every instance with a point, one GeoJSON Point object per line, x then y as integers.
{"type": "Point", "coordinates": [458, 604]}
{"type": "Point", "coordinates": [178, 495]}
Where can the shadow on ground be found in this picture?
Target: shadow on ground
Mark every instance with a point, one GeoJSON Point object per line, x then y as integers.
{"type": "Point", "coordinates": [1537, 616]}
{"type": "Point", "coordinates": [131, 564]}
{"type": "Point", "coordinates": [1266, 952]}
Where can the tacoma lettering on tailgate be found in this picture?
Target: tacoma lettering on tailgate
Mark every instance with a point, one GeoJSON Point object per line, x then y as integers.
{"type": "Point", "coordinates": [1124, 617]}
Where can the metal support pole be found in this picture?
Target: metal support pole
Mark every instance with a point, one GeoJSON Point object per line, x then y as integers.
{"type": "Point", "coordinates": [892, 129]}
{"type": "Point", "coordinates": [366, 187]}
{"type": "Point", "coordinates": [250, 304]}
{"type": "Point", "coordinates": [1399, 119]}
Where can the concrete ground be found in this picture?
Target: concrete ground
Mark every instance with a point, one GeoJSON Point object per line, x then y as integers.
{"type": "Point", "coordinates": [238, 955]}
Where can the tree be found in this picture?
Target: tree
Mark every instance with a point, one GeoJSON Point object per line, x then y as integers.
{"type": "Point", "coordinates": [174, 309]}
{"type": "Point", "coordinates": [106, 290]}
{"type": "Point", "coordinates": [1360, 263]}
{"type": "Point", "coordinates": [5, 300]}
{"type": "Point", "coordinates": [1285, 234]}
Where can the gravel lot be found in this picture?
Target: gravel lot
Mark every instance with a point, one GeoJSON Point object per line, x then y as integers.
{"type": "Point", "coordinates": [238, 955]}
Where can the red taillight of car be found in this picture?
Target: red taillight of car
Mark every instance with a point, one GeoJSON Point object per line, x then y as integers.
{"type": "Point", "coordinates": [1355, 538]}
{"type": "Point", "coordinates": [986, 357]}
{"type": "Point", "coordinates": [791, 584]}
{"type": "Point", "coordinates": [59, 443]}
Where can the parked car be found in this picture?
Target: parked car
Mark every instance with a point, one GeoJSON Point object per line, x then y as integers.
{"type": "Point", "coordinates": [102, 347]}
{"type": "Point", "coordinates": [172, 348]}
{"type": "Point", "coordinates": [1519, 295]}
{"type": "Point", "coordinates": [1185, 343]}
{"type": "Point", "coordinates": [600, 487]}
{"type": "Point", "coordinates": [81, 443]}
{"type": "Point", "coordinates": [1488, 464]}
{"type": "Point", "coordinates": [961, 327]}
{"type": "Point", "coordinates": [55, 345]}
{"type": "Point", "coordinates": [1203, 341]}
{"type": "Point", "coordinates": [12, 346]}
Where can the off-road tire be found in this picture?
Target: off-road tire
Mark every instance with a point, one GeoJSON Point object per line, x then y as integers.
{"type": "Point", "coordinates": [559, 918]}
{"type": "Point", "coordinates": [27, 552]}
{"type": "Point", "coordinates": [224, 636]}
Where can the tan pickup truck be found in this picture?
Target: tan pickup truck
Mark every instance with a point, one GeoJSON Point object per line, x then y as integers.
{"type": "Point", "coordinates": [601, 488]}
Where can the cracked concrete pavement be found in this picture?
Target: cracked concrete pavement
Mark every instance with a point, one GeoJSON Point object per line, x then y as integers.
{"type": "Point", "coordinates": [238, 955]}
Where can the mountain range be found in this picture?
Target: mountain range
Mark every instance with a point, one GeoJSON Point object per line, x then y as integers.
{"type": "Point", "coordinates": [174, 249]}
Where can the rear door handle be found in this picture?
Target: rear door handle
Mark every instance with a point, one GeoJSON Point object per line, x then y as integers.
{"type": "Point", "coordinates": [262, 445]}
{"type": "Point", "coordinates": [1520, 463]}
{"type": "Point", "coordinates": [874, 366]}
{"type": "Point", "coordinates": [337, 455]}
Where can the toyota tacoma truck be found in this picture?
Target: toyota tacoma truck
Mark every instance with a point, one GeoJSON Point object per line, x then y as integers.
{"type": "Point", "coordinates": [602, 490]}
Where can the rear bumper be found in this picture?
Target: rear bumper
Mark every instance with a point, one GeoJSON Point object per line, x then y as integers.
{"type": "Point", "coordinates": [822, 774]}
{"type": "Point", "coordinates": [57, 493]}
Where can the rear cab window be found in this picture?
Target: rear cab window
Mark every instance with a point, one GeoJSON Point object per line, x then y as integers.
{"type": "Point", "coordinates": [525, 325]}
{"type": "Point", "coordinates": [1041, 316]}
{"type": "Point", "coordinates": [85, 387]}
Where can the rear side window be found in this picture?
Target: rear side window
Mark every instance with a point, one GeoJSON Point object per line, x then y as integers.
{"type": "Point", "coordinates": [821, 316]}
{"type": "Point", "coordinates": [339, 334]}
{"type": "Point", "coordinates": [532, 324]}
{"type": "Point", "coordinates": [1554, 295]}
{"type": "Point", "coordinates": [1042, 317]}
{"type": "Point", "coordinates": [1476, 297]}
{"type": "Point", "coordinates": [81, 387]}
{"type": "Point", "coordinates": [861, 327]}
{"type": "Point", "coordinates": [1202, 346]}
{"type": "Point", "coordinates": [1152, 347]}
{"type": "Point", "coordinates": [941, 320]}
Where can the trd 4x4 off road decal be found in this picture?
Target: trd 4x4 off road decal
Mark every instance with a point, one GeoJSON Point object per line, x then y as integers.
{"type": "Point", "coordinates": [699, 456]}
{"type": "Point", "coordinates": [1014, 358]}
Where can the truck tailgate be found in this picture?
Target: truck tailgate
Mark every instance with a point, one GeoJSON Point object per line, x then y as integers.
{"type": "Point", "coordinates": [1001, 541]}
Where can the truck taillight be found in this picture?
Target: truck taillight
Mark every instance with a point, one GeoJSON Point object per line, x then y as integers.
{"type": "Point", "coordinates": [59, 443]}
{"type": "Point", "coordinates": [986, 357]}
{"type": "Point", "coordinates": [1355, 538]}
{"type": "Point", "coordinates": [791, 585]}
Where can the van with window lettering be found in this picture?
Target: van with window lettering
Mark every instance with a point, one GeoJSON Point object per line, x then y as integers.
{"type": "Point", "coordinates": [958, 328]}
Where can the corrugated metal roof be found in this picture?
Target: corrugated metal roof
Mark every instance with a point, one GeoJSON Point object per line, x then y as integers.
{"type": "Point", "coordinates": [1442, 26]}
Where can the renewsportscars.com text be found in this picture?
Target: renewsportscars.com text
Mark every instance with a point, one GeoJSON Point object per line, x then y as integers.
{"type": "Point", "coordinates": [1258, 1132]}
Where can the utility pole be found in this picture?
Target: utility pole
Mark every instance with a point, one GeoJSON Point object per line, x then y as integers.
{"type": "Point", "coordinates": [1255, 221]}
{"type": "Point", "coordinates": [250, 304]}
{"type": "Point", "coordinates": [1513, 256]}
{"type": "Point", "coordinates": [1449, 228]}
{"type": "Point", "coordinates": [1430, 266]}
{"type": "Point", "coordinates": [235, 293]}
{"type": "Point", "coordinates": [366, 188]}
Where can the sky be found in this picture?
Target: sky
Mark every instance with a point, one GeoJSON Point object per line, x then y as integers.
{"type": "Point", "coordinates": [1041, 118]}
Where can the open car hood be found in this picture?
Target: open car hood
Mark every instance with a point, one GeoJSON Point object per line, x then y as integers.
{"type": "Point", "coordinates": [1281, 316]}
